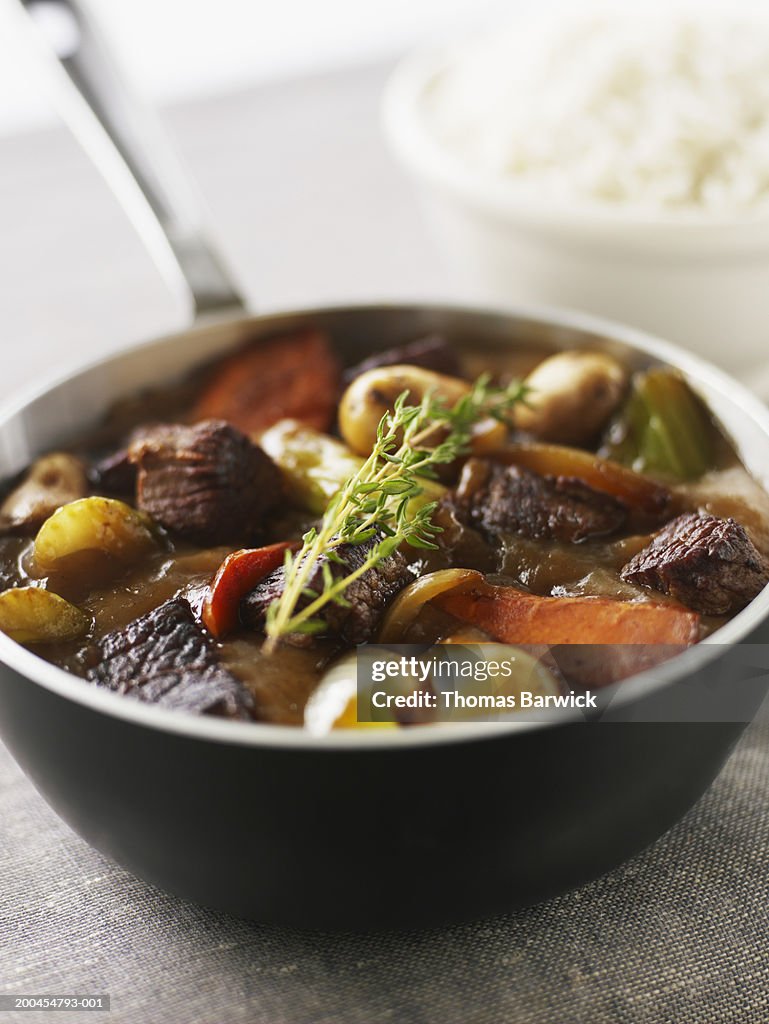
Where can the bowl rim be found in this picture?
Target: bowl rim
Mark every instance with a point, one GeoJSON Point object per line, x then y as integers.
{"type": "Point", "coordinates": [423, 154]}
{"type": "Point", "coordinates": [259, 734]}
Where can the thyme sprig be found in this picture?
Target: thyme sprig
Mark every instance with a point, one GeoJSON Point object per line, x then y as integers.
{"type": "Point", "coordinates": [377, 501]}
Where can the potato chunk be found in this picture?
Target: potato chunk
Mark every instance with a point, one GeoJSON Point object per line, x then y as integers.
{"type": "Point", "coordinates": [314, 465]}
{"type": "Point", "coordinates": [572, 396]}
{"type": "Point", "coordinates": [374, 393]}
{"type": "Point", "coordinates": [98, 529]}
{"type": "Point", "coordinates": [29, 615]}
{"type": "Point", "coordinates": [52, 481]}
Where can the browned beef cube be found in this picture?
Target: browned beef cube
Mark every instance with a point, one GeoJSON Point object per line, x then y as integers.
{"type": "Point", "coordinates": [367, 597]}
{"type": "Point", "coordinates": [432, 353]}
{"type": "Point", "coordinates": [207, 483]}
{"type": "Point", "coordinates": [166, 658]}
{"type": "Point", "coordinates": [500, 499]}
{"type": "Point", "coordinates": [708, 564]}
{"type": "Point", "coordinates": [114, 474]}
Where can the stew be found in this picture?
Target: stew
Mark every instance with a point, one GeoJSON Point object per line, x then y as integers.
{"type": "Point", "coordinates": [229, 561]}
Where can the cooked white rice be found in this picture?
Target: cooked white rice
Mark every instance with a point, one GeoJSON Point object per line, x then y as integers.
{"type": "Point", "coordinates": [664, 111]}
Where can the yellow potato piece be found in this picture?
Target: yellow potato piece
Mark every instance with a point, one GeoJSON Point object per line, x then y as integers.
{"type": "Point", "coordinates": [29, 615]}
{"type": "Point", "coordinates": [314, 465]}
{"type": "Point", "coordinates": [373, 393]}
{"type": "Point", "coordinates": [572, 394]}
{"type": "Point", "coordinates": [100, 525]}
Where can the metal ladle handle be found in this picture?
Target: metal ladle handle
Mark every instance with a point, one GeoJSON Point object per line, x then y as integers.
{"type": "Point", "coordinates": [127, 143]}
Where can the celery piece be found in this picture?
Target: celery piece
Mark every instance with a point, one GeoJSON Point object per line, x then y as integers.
{"type": "Point", "coordinates": [664, 428]}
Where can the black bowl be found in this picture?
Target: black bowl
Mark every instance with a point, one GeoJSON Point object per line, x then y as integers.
{"type": "Point", "coordinates": [376, 828]}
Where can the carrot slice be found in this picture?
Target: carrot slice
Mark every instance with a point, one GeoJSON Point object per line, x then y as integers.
{"type": "Point", "coordinates": [238, 573]}
{"type": "Point", "coordinates": [515, 617]}
{"type": "Point", "coordinates": [292, 376]}
{"type": "Point", "coordinates": [640, 492]}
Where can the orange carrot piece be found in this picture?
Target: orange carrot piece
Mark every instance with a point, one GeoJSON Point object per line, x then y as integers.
{"type": "Point", "coordinates": [293, 376]}
{"type": "Point", "coordinates": [238, 573]}
{"type": "Point", "coordinates": [513, 616]}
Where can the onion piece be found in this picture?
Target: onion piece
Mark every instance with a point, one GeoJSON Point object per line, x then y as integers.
{"type": "Point", "coordinates": [333, 704]}
{"type": "Point", "coordinates": [526, 673]}
{"type": "Point", "coordinates": [408, 604]}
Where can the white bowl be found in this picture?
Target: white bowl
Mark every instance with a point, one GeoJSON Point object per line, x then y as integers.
{"type": "Point", "coordinates": [699, 281]}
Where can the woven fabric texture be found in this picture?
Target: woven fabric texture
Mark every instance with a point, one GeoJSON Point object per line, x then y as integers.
{"type": "Point", "coordinates": [679, 934]}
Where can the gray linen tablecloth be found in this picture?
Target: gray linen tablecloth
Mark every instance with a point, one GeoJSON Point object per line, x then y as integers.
{"type": "Point", "coordinates": [311, 210]}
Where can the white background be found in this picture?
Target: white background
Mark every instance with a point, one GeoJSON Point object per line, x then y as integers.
{"type": "Point", "coordinates": [180, 48]}
{"type": "Point", "coordinates": [175, 49]}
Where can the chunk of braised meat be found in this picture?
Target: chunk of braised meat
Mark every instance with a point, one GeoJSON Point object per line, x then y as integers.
{"type": "Point", "coordinates": [166, 658]}
{"type": "Point", "coordinates": [432, 353]}
{"type": "Point", "coordinates": [708, 564]}
{"type": "Point", "coordinates": [367, 597]}
{"type": "Point", "coordinates": [207, 483]}
{"type": "Point", "coordinates": [459, 543]}
{"type": "Point", "coordinates": [292, 376]}
{"type": "Point", "coordinates": [114, 473]}
{"type": "Point", "coordinates": [497, 499]}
